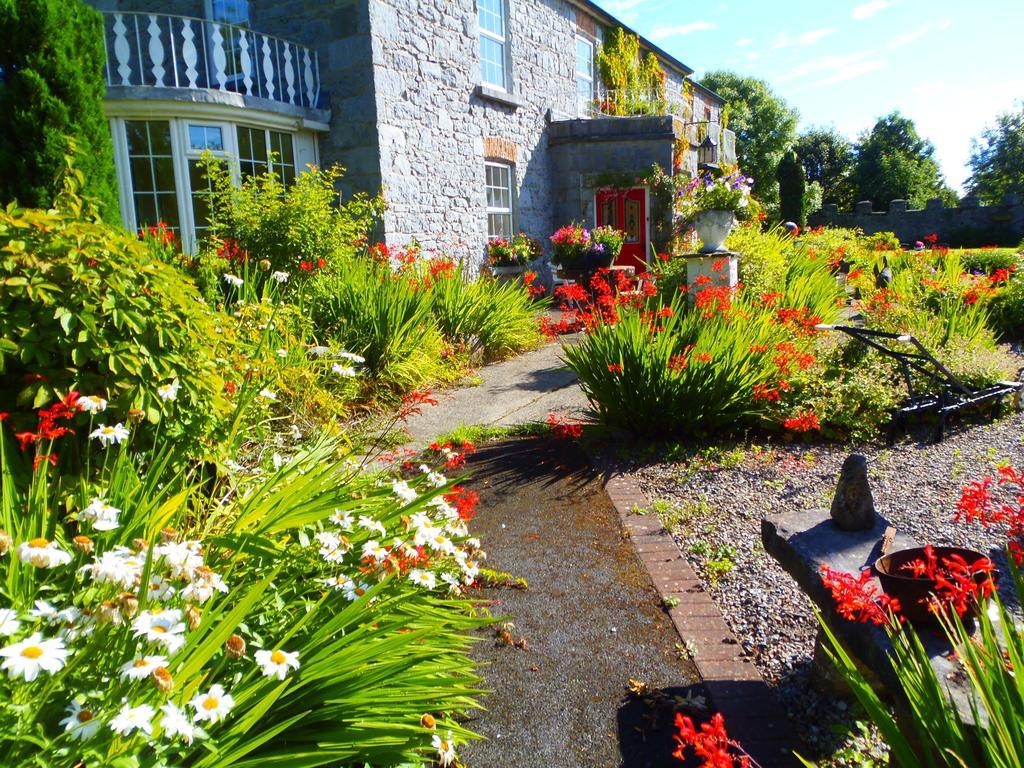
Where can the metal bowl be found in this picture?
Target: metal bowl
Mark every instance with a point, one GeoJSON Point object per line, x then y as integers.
{"type": "Point", "coordinates": [913, 592]}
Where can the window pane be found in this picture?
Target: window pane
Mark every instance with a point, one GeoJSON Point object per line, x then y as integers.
{"type": "Point", "coordinates": [163, 171]}
{"type": "Point", "coordinates": [206, 137]}
{"type": "Point", "coordinates": [492, 62]}
{"type": "Point", "coordinates": [499, 225]}
{"type": "Point", "coordinates": [492, 16]}
{"type": "Point", "coordinates": [142, 174]}
{"type": "Point", "coordinates": [584, 57]}
{"type": "Point", "coordinates": [159, 138]}
{"type": "Point", "coordinates": [152, 173]}
{"type": "Point", "coordinates": [145, 211]}
{"type": "Point", "coordinates": [230, 11]}
{"type": "Point", "coordinates": [138, 138]}
{"type": "Point", "coordinates": [244, 143]}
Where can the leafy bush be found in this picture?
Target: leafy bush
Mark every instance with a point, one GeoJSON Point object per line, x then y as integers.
{"type": "Point", "coordinates": [764, 256]}
{"type": "Point", "coordinates": [84, 305]}
{"type": "Point", "coordinates": [694, 375]}
{"type": "Point", "coordinates": [298, 230]}
{"type": "Point", "coordinates": [486, 316]}
{"type": "Point", "coordinates": [1006, 312]}
{"type": "Point", "coordinates": [989, 260]}
{"type": "Point", "coordinates": [382, 317]}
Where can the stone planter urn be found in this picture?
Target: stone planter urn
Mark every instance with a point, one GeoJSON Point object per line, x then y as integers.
{"type": "Point", "coordinates": [508, 274]}
{"type": "Point", "coordinates": [712, 228]}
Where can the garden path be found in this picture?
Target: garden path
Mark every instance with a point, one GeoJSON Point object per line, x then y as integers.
{"type": "Point", "coordinates": [591, 621]}
{"type": "Point", "coordinates": [518, 391]}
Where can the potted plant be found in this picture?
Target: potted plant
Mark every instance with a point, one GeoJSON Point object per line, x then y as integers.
{"type": "Point", "coordinates": [579, 250]}
{"type": "Point", "coordinates": [509, 257]}
{"type": "Point", "coordinates": [713, 203]}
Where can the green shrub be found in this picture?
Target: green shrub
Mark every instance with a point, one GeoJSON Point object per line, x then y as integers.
{"type": "Point", "coordinates": [51, 103]}
{"type": "Point", "coordinates": [84, 305]}
{"type": "Point", "coordinates": [300, 229]}
{"type": "Point", "coordinates": [487, 316]}
{"type": "Point", "coordinates": [764, 256]}
{"type": "Point", "coordinates": [988, 261]}
{"type": "Point", "coordinates": [1006, 311]}
{"type": "Point", "coordinates": [382, 317]}
{"type": "Point", "coordinates": [694, 377]}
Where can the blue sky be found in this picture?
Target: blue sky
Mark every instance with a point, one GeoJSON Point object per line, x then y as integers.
{"type": "Point", "coordinates": [951, 66]}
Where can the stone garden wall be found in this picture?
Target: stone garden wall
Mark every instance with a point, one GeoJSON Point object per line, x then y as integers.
{"type": "Point", "coordinates": [969, 224]}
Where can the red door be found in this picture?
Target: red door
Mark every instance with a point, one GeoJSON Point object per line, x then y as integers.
{"type": "Point", "coordinates": [626, 210]}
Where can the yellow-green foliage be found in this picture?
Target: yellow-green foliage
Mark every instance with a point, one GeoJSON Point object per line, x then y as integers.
{"type": "Point", "coordinates": [638, 81]}
{"type": "Point", "coordinates": [84, 305]}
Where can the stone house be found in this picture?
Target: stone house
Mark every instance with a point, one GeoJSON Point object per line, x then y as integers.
{"type": "Point", "coordinates": [478, 118]}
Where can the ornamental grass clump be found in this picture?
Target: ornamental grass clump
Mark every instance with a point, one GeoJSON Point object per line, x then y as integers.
{"type": "Point", "coordinates": [305, 615]}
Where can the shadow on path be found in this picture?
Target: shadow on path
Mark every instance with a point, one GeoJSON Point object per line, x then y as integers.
{"type": "Point", "coordinates": [590, 619]}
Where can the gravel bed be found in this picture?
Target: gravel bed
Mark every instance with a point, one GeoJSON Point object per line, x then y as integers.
{"type": "Point", "coordinates": [714, 501]}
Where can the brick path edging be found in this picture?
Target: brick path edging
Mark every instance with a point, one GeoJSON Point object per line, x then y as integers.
{"type": "Point", "coordinates": [736, 688]}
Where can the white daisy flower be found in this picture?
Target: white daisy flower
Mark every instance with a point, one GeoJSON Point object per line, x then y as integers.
{"type": "Point", "coordinates": [160, 588]}
{"type": "Point", "coordinates": [45, 611]}
{"type": "Point", "coordinates": [441, 543]}
{"type": "Point", "coordinates": [351, 356]}
{"type": "Point", "coordinates": [445, 749]}
{"type": "Point", "coordinates": [27, 658]}
{"type": "Point", "coordinates": [372, 524]}
{"type": "Point", "coordinates": [214, 705]}
{"type": "Point", "coordinates": [204, 583]}
{"type": "Point", "coordinates": [454, 582]}
{"type": "Point", "coordinates": [233, 280]}
{"type": "Point", "coordinates": [277, 663]}
{"type": "Point", "coordinates": [180, 557]}
{"type": "Point", "coordinates": [345, 371]}
{"type": "Point", "coordinates": [108, 435]}
{"type": "Point", "coordinates": [268, 394]}
{"type": "Point", "coordinates": [423, 578]}
{"type": "Point", "coordinates": [280, 277]}
{"type": "Point", "coordinates": [319, 351]}
{"type": "Point", "coordinates": [131, 719]}
{"type": "Point", "coordinates": [436, 479]}
{"type": "Point", "coordinates": [103, 516]}
{"type": "Point", "coordinates": [142, 667]}
{"type": "Point", "coordinates": [163, 627]}
{"type": "Point", "coordinates": [117, 566]}
{"type": "Point", "coordinates": [176, 723]}
{"type": "Point", "coordinates": [403, 491]}
{"type": "Point", "coordinates": [373, 549]}
{"type": "Point", "coordinates": [169, 392]}
{"type": "Point", "coordinates": [80, 721]}
{"type": "Point", "coordinates": [343, 520]}
{"type": "Point", "coordinates": [92, 404]}
{"type": "Point", "coordinates": [282, 352]}
{"type": "Point", "coordinates": [9, 623]}
{"type": "Point", "coordinates": [42, 553]}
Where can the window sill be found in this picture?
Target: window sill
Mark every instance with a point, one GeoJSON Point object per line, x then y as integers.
{"type": "Point", "coordinates": [490, 93]}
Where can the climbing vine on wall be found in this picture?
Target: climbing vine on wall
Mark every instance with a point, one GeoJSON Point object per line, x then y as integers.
{"type": "Point", "coordinates": [668, 233]}
{"type": "Point", "coordinates": [635, 85]}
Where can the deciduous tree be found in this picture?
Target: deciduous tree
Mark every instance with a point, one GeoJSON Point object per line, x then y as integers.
{"type": "Point", "coordinates": [997, 159]}
{"type": "Point", "coordinates": [828, 158]}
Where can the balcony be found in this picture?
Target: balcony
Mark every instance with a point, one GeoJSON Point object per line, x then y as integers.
{"type": "Point", "coordinates": [648, 103]}
{"type": "Point", "coordinates": [164, 51]}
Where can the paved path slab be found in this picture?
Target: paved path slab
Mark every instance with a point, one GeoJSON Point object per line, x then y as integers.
{"type": "Point", "coordinates": [591, 620]}
{"type": "Point", "coordinates": [518, 391]}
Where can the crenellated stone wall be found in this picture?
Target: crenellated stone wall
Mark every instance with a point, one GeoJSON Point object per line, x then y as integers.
{"type": "Point", "coordinates": [969, 223]}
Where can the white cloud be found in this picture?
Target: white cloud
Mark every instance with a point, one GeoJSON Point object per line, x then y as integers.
{"type": "Point", "coordinates": [912, 36]}
{"type": "Point", "coordinates": [743, 42]}
{"type": "Point", "coordinates": [852, 72]}
{"type": "Point", "coordinates": [869, 9]}
{"type": "Point", "coordinates": [828, 65]}
{"type": "Point", "coordinates": [675, 30]}
{"type": "Point", "coordinates": [810, 38]}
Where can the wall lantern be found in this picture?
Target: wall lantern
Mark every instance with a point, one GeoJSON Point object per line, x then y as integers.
{"type": "Point", "coordinates": [707, 153]}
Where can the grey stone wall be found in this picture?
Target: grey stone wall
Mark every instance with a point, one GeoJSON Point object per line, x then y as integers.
{"type": "Point", "coordinates": [433, 117]}
{"type": "Point", "coordinates": [583, 150]}
{"type": "Point", "coordinates": [339, 30]}
{"type": "Point", "coordinates": [969, 223]}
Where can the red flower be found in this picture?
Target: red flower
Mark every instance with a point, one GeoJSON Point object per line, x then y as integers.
{"type": "Point", "coordinates": [412, 404]}
{"type": "Point", "coordinates": [711, 743]}
{"type": "Point", "coordinates": [802, 422]}
{"type": "Point", "coordinates": [42, 458]}
{"type": "Point", "coordinates": [858, 598]}
{"type": "Point", "coordinates": [464, 501]}
{"type": "Point", "coordinates": [615, 368]}
{"type": "Point", "coordinates": [562, 428]}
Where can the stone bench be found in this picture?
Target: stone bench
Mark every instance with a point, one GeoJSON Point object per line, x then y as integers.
{"type": "Point", "coordinates": [802, 541]}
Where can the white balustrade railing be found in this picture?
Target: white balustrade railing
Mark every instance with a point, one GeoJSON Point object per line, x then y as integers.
{"type": "Point", "coordinates": [160, 50]}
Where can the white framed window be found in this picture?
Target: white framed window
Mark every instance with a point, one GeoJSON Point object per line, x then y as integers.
{"type": "Point", "coordinates": [584, 71]}
{"type": "Point", "coordinates": [260, 150]}
{"type": "Point", "coordinates": [151, 169]}
{"type": "Point", "coordinates": [491, 17]}
{"type": "Point", "coordinates": [228, 11]}
{"type": "Point", "coordinates": [499, 199]}
{"type": "Point", "coordinates": [203, 137]}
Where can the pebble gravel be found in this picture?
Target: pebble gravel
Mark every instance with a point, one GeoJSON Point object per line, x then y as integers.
{"type": "Point", "coordinates": [713, 501]}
